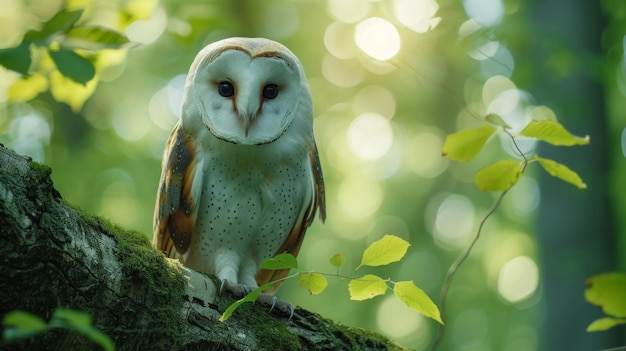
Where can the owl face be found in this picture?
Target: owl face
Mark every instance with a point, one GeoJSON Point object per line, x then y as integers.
{"type": "Point", "coordinates": [245, 91]}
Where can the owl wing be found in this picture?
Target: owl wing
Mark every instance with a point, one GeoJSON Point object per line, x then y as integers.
{"type": "Point", "coordinates": [294, 240]}
{"type": "Point", "coordinates": [176, 210]}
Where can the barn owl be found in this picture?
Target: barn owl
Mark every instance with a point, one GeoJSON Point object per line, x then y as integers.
{"type": "Point", "coordinates": [241, 179]}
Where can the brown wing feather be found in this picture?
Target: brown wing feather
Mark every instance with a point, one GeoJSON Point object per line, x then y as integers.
{"type": "Point", "coordinates": [294, 240]}
{"type": "Point", "coordinates": [175, 214]}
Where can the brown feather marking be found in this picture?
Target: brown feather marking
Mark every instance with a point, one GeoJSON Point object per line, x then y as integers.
{"type": "Point", "coordinates": [174, 218]}
{"type": "Point", "coordinates": [293, 242]}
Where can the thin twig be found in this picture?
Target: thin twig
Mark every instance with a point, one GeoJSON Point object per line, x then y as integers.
{"type": "Point", "coordinates": [461, 258]}
{"type": "Point", "coordinates": [455, 267]}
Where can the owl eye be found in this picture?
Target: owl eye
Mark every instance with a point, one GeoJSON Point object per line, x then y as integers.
{"type": "Point", "coordinates": [226, 89]}
{"type": "Point", "coordinates": [270, 91]}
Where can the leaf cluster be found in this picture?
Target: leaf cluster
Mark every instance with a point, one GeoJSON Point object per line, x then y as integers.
{"type": "Point", "coordinates": [382, 252]}
{"type": "Point", "coordinates": [63, 56]}
{"type": "Point", "coordinates": [464, 145]}
{"type": "Point", "coordinates": [607, 290]}
{"type": "Point", "coordinates": [22, 325]}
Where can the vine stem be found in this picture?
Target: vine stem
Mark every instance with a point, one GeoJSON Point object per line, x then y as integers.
{"type": "Point", "coordinates": [461, 258]}
{"type": "Point", "coordinates": [455, 267]}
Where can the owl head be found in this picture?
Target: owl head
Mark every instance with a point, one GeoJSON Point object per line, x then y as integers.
{"type": "Point", "coordinates": [245, 91]}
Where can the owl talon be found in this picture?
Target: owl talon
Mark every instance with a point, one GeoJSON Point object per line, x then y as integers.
{"type": "Point", "coordinates": [275, 305]}
{"type": "Point", "coordinates": [274, 299]}
{"type": "Point", "coordinates": [236, 290]}
{"type": "Point", "coordinates": [224, 283]}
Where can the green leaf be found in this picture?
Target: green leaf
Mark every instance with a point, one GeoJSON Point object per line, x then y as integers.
{"type": "Point", "coordinates": [314, 282]}
{"type": "Point", "coordinates": [554, 133]}
{"type": "Point", "coordinates": [497, 120]}
{"type": "Point", "coordinates": [561, 171]}
{"type": "Point", "coordinates": [60, 22]}
{"type": "Point", "coordinates": [95, 38]}
{"type": "Point", "coordinates": [608, 291]}
{"type": "Point", "coordinates": [17, 59]}
{"type": "Point", "coordinates": [251, 297]}
{"type": "Point", "coordinates": [388, 249]}
{"type": "Point", "coordinates": [417, 300]}
{"type": "Point", "coordinates": [366, 287]}
{"type": "Point", "coordinates": [280, 261]}
{"type": "Point", "coordinates": [19, 324]}
{"type": "Point", "coordinates": [73, 66]}
{"type": "Point", "coordinates": [98, 338]}
{"type": "Point", "coordinates": [71, 317]}
{"type": "Point", "coordinates": [499, 176]}
{"type": "Point", "coordinates": [28, 87]}
{"type": "Point", "coordinates": [337, 260]}
{"type": "Point", "coordinates": [466, 144]}
{"type": "Point", "coordinates": [604, 324]}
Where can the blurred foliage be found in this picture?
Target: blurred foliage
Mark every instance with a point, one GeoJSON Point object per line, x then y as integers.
{"type": "Point", "coordinates": [607, 291]}
{"type": "Point", "coordinates": [390, 79]}
{"type": "Point", "coordinates": [20, 325]}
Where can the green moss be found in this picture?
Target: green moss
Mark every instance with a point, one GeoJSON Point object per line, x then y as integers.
{"type": "Point", "coordinates": [40, 176]}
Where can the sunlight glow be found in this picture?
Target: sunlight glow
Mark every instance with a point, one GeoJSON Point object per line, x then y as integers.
{"type": "Point", "coordinates": [454, 221]}
{"type": "Point", "coordinates": [165, 105]}
{"type": "Point", "coordinates": [418, 15]}
{"type": "Point", "coordinates": [30, 135]}
{"type": "Point", "coordinates": [494, 86]}
{"type": "Point", "coordinates": [397, 321]}
{"type": "Point", "coordinates": [378, 38]}
{"type": "Point", "coordinates": [147, 31]}
{"type": "Point", "coordinates": [359, 197]}
{"type": "Point", "coordinates": [342, 73]}
{"type": "Point", "coordinates": [486, 12]}
{"type": "Point", "coordinates": [128, 124]}
{"type": "Point", "coordinates": [348, 11]}
{"type": "Point", "coordinates": [370, 136]}
{"type": "Point", "coordinates": [424, 155]}
{"type": "Point", "coordinates": [119, 201]}
{"type": "Point", "coordinates": [374, 98]}
{"type": "Point", "coordinates": [339, 40]}
{"type": "Point", "coordinates": [518, 279]}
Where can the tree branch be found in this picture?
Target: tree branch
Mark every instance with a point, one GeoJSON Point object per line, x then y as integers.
{"type": "Point", "coordinates": [55, 256]}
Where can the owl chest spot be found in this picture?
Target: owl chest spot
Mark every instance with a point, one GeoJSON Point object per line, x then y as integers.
{"type": "Point", "coordinates": [249, 208]}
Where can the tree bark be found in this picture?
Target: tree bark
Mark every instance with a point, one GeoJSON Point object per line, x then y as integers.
{"type": "Point", "coordinates": [54, 256]}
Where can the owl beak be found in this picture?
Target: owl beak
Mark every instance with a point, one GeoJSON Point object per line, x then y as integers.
{"type": "Point", "coordinates": [247, 121]}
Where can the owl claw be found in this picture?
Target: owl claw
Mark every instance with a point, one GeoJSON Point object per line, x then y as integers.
{"type": "Point", "coordinates": [236, 290]}
{"type": "Point", "coordinates": [276, 305]}
{"type": "Point", "coordinates": [274, 299]}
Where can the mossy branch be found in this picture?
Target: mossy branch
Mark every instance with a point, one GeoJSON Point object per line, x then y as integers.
{"type": "Point", "coordinates": [54, 256]}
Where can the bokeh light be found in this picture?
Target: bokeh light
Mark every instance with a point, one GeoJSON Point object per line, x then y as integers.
{"type": "Point", "coordinates": [401, 323]}
{"type": "Point", "coordinates": [339, 40]}
{"type": "Point", "coordinates": [518, 279]}
{"type": "Point", "coordinates": [342, 73]}
{"type": "Point", "coordinates": [370, 136]}
{"type": "Point", "coordinates": [30, 134]}
{"type": "Point", "coordinates": [148, 30]}
{"type": "Point", "coordinates": [376, 99]}
{"type": "Point", "coordinates": [348, 11]}
{"type": "Point", "coordinates": [378, 38]}
{"type": "Point", "coordinates": [359, 197]}
{"type": "Point", "coordinates": [453, 219]}
{"type": "Point", "coordinates": [424, 156]}
{"type": "Point", "coordinates": [486, 12]}
{"type": "Point", "coordinates": [418, 15]}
